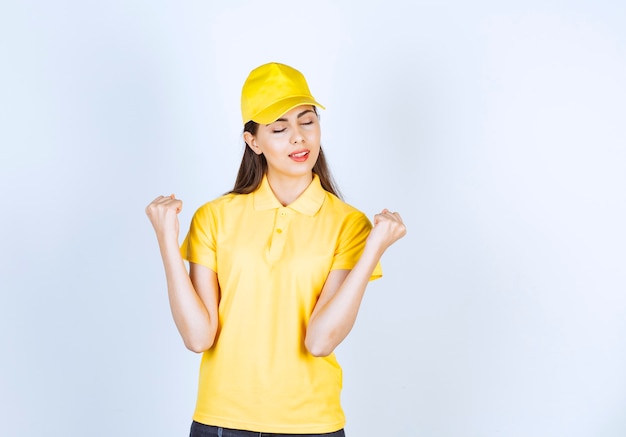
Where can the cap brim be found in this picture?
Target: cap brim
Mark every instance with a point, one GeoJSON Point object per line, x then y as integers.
{"type": "Point", "coordinates": [273, 112]}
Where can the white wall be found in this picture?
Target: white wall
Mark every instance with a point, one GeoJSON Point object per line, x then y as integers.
{"type": "Point", "coordinates": [496, 130]}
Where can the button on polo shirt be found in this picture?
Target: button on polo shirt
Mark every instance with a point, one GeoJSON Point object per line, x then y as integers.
{"type": "Point", "coordinates": [271, 262]}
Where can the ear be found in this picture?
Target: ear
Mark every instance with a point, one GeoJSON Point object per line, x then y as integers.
{"type": "Point", "coordinates": [251, 142]}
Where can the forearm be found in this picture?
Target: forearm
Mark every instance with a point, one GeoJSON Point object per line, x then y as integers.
{"type": "Point", "coordinates": [195, 323]}
{"type": "Point", "coordinates": [330, 324]}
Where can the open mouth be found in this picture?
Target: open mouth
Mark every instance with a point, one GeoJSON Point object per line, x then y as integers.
{"type": "Point", "coordinates": [300, 156]}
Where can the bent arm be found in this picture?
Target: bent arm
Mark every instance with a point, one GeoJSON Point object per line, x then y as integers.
{"type": "Point", "coordinates": [193, 299]}
{"type": "Point", "coordinates": [336, 310]}
{"type": "Point", "coordinates": [193, 296]}
{"type": "Point", "coordinates": [338, 305]}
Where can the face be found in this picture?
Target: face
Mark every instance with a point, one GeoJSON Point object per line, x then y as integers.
{"type": "Point", "coordinates": [290, 145]}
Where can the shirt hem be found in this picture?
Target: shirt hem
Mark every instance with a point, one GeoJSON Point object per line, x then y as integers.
{"type": "Point", "coordinates": [270, 428]}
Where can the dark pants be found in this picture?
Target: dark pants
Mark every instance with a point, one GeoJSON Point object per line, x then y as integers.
{"type": "Point", "coordinates": [201, 430]}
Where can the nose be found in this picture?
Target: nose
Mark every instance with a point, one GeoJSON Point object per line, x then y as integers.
{"type": "Point", "coordinates": [297, 136]}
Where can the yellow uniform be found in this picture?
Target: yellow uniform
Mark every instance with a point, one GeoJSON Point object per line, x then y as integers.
{"type": "Point", "coordinates": [271, 262]}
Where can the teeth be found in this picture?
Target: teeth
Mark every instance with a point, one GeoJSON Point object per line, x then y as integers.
{"type": "Point", "coordinates": [299, 155]}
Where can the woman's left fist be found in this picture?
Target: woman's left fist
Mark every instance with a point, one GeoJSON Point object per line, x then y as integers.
{"type": "Point", "coordinates": [388, 228]}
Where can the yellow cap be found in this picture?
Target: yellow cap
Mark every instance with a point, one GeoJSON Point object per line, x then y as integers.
{"type": "Point", "coordinates": [272, 90]}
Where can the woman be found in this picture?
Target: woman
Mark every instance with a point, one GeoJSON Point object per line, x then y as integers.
{"type": "Point", "coordinates": [277, 271]}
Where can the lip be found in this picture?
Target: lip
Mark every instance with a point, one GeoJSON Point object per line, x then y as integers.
{"type": "Point", "coordinates": [300, 155]}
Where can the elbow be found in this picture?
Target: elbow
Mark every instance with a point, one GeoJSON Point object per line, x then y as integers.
{"type": "Point", "coordinates": [319, 348]}
{"type": "Point", "coordinates": [199, 344]}
{"type": "Point", "coordinates": [321, 353]}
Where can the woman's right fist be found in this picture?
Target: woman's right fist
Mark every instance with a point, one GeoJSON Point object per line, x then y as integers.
{"type": "Point", "coordinates": [162, 213]}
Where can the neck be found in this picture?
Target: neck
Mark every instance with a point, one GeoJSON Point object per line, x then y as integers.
{"type": "Point", "coordinates": [288, 188]}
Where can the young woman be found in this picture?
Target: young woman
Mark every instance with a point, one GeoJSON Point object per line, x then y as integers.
{"type": "Point", "coordinates": [277, 271]}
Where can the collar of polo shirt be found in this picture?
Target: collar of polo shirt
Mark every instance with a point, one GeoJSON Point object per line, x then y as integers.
{"type": "Point", "coordinates": [309, 202]}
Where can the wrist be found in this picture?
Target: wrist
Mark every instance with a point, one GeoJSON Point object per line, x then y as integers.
{"type": "Point", "coordinates": [373, 250]}
{"type": "Point", "coordinates": [167, 240]}
{"type": "Point", "coordinates": [376, 243]}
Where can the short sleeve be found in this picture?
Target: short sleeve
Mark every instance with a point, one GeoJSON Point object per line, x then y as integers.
{"type": "Point", "coordinates": [352, 243]}
{"type": "Point", "coordinates": [199, 244]}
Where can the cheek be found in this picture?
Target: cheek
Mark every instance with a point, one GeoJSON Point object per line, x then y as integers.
{"type": "Point", "coordinates": [314, 135]}
{"type": "Point", "coordinates": [268, 147]}
{"type": "Point", "coordinates": [315, 154]}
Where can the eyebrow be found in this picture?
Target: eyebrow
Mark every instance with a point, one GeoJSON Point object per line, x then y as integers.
{"type": "Point", "coordinates": [306, 111]}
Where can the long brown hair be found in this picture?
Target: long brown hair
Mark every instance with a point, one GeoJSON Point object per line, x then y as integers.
{"type": "Point", "coordinates": [253, 167]}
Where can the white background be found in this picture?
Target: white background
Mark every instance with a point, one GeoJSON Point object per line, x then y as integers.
{"type": "Point", "coordinates": [497, 130]}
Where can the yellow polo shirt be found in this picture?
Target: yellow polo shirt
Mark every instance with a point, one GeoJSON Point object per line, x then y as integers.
{"type": "Point", "coordinates": [271, 262]}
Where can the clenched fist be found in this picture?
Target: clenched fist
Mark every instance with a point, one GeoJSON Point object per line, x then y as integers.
{"type": "Point", "coordinates": [163, 214]}
{"type": "Point", "coordinates": [388, 228]}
